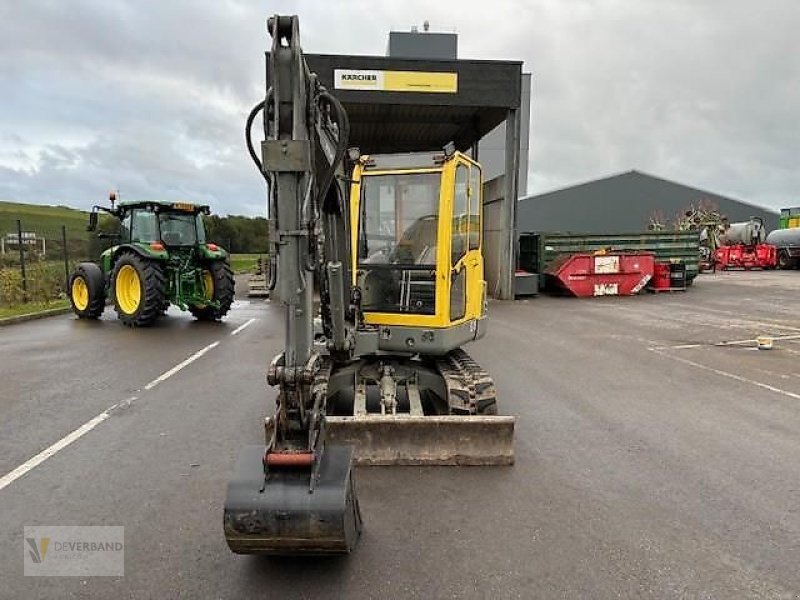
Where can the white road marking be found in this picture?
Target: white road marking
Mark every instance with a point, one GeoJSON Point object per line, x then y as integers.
{"type": "Point", "coordinates": [753, 341]}
{"type": "Point", "coordinates": [763, 386]}
{"type": "Point", "coordinates": [777, 338]}
{"type": "Point", "coordinates": [68, 439]}
{"type": "Point", "coordinates": [167, 374]}
{"type": "Point", "coordinates": [34, 462]}
{"type": "Point", "coordinates": [242, 326]}
{"type": "Point", "coordinates": [682, 346]}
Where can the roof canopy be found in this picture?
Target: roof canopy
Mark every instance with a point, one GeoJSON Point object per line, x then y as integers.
{"type": "Point", "coordinates": [407, 105]}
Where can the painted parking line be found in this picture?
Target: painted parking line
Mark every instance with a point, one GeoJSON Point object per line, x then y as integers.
{"type": "Point", "coordinates": [78, 433]}
{"type": "Point", "coordinates": [34, 462]}
{"type": "Point", "coordinates": [734, 376]}
{"type": "Point", "coordinates": [181, 365]}
{"type": "Point", "coordinates": [242, 326]}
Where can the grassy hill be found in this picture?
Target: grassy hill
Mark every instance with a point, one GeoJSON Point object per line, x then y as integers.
{"type": "Point", "coordinates": [43, 220]}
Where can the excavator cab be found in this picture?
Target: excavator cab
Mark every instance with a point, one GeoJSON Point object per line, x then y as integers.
{"type": "Point", "coordinates": [414, 396]}
{"type": "Point", "coordinates": [416, 224]}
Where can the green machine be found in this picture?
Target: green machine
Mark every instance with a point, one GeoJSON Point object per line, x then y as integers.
{"type": "Point", "coordinates": [790, 218]}
{"type": "Point", "coordinates": [159, 257]}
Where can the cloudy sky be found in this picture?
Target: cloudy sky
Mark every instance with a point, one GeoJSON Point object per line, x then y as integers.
{"type": "Point", "coordinates": [150, 97]}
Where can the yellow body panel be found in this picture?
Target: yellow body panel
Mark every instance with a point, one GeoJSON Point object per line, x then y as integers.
{"type": "Point", "coordinates": [471, 262]}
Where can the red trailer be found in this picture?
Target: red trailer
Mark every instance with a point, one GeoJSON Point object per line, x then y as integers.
{"type": "Point", "coordinates": [617, 274]}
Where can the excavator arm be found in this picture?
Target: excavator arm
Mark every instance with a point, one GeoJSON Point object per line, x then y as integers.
{"type": "Point", "coordinates": [296, 494]}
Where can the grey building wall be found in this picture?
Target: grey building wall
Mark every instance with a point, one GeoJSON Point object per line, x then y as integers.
{"type": "Point", "coordinates": [426, 45]}
{"type": "Point", "coordinates": [494, 234]}
{"type": "Point", "coordinates": [624, 204]}
{"type": "Point", "coordinates": [492, 148]}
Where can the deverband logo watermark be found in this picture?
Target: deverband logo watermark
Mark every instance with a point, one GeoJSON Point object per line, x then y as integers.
{"type": "Point", "coordinates": [73, 550]}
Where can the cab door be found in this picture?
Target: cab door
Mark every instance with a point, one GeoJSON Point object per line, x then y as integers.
{"type": "Point", "coordinates": [466, 264]}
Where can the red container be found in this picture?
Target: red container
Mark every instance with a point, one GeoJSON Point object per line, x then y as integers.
{"type": "Point", "coordinates": [661, 276]}
{"type": "Point", "coordinates": [618, 274]}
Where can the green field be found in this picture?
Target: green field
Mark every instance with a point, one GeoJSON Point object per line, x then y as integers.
{"type": "Point", "coordinates": [244, 263]}
{"type": "Point", "coordinates": [43, 220]}
{"type": "Point", "coordinates": [31, 308]}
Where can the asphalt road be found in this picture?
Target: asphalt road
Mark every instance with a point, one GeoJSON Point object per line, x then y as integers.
{"type": "Point", "coordinates": [651, 460]}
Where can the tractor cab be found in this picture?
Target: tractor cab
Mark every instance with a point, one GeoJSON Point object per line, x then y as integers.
{"type": "Point", "coordinates": [171, 224]}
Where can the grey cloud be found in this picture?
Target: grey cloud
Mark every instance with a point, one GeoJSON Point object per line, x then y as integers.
{"type": "Point", "coordinates": [151, 96]}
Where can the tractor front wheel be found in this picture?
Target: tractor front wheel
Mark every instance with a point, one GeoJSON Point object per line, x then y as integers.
{"type": "Point", "coordinates": [218, 285]}
{"type": "Point", "coordinates": [87, 291]}
{"type": "Point", "coordinates": [138, 285]}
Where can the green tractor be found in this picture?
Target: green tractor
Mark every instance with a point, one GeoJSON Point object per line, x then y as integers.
{"type": "Point", "coordinates": [160, 257]}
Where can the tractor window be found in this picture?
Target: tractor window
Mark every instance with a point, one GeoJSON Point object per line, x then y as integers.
{"type": "Point", "coordinates": [144, 226]}
{"type": "Point", "coordinates": [181, 229]}
{"type": "Point", "coordinates": [460, 214]}
{"type": "Point", "coordinates": [125, 229]}
{"type": "Point", "coordinates": [475, 201]}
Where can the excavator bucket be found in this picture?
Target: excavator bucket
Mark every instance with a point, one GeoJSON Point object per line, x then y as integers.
{"type": "Point", "coordinates": [285, 515]}
{"type": "Point", "coordinates": [425, 440]}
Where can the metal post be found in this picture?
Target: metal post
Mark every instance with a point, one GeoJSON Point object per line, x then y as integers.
{"type": "Point", "coordinates": [508, 255]}
{"type": "Point", "coordinates": [66, 258]}
{"type": "Point", "coordinates": [22, 262]}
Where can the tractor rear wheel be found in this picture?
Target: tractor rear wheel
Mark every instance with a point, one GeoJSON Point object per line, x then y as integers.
{"type": "Point", "coordinates": [138, 286]}
{"type": "Point", "coordinates": [218, 284]}
{"type": "Point", "coordinates": [87, 291]}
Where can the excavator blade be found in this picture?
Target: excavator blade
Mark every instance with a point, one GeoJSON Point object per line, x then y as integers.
{"type": "Point", "coordinates": [425, 440]}
{"type": "Point", "coordinates": [285, 516]}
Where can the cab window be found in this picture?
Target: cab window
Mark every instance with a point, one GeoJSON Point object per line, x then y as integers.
{"type": "Point", "coordinates": [475, 200]}
{"type": "Point", "coordinates": [460, 214]}
{"type": "Point", "coordinates": [144, 226]}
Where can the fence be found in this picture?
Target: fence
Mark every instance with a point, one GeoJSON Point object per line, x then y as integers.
{"type": "Point", "coordinates": [35, 265]}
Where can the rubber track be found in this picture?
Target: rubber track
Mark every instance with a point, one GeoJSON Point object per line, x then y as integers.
{"type": "Point", "coordinates": [470, 388]}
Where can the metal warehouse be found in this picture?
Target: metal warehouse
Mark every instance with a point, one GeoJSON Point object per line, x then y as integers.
{"type": "Point", "coordinates": [625, 203]}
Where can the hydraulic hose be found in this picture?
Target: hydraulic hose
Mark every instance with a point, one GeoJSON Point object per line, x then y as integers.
{"type": "Point", "coordinates": [248, 134]}
{"type": "Point", "coordinates": [343, 121]}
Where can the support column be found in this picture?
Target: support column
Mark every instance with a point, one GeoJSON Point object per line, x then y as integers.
{"type": "Point", "coordinates": [508, 254]}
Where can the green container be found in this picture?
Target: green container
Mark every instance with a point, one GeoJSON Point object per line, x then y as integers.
{"type": "Point", "coordinates": [538, 250]}
{"type": "Point", "coordinates": [790, 218]}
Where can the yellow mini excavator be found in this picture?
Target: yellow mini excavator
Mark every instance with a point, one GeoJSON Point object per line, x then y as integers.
{"type": "Point", "coordinates": [393, 243]}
